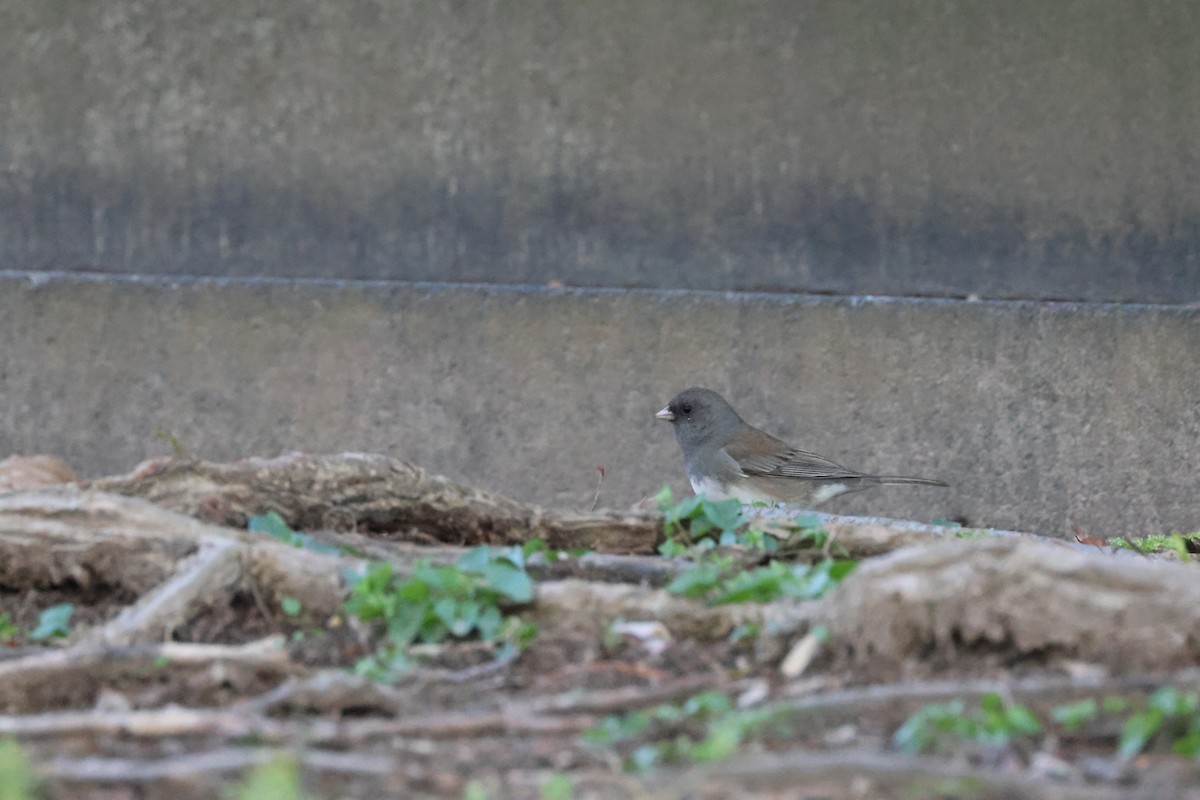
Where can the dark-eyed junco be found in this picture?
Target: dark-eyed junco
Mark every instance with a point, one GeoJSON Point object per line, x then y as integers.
{"type": "Point", "coordinates": [725, 457]}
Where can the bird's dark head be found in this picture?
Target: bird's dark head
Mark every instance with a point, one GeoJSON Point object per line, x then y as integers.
{"type": "Point", "coordinates": [696, 413]}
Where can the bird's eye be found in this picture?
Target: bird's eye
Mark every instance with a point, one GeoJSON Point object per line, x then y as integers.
{"type": "Point", "coordinates": [686, 408]}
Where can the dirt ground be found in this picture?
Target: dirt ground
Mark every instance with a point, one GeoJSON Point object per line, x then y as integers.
{"type": "Point", "coordinates": [182, 672]}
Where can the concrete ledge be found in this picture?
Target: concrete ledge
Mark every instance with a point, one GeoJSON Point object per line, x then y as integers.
{"type": "Point", "coordinates": [1042, 415]}
{"type": "Point", "coordinates": [1016, 149]}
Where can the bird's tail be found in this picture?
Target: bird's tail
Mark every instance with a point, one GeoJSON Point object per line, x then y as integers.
{"type": "Point", "coordinates": [901, 479]}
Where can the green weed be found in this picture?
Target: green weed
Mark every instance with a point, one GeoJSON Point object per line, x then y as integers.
{"type": "Point", "coordinates": [436, 603]}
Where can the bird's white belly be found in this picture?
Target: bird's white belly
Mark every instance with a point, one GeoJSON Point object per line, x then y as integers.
{"type": "Point", "coordinates": [713, 491]}
{"type": "Point", "coordinates": [745, 494]}
{"type": "Point", "coordinates": [828, 492]}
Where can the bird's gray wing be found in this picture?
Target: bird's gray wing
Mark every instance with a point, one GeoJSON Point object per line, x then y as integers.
{"type": "Point", "coordinates": [760, 453]}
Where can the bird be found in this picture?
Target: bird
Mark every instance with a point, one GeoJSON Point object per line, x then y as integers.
{"type": "Point", "coordinates": [726, 457]}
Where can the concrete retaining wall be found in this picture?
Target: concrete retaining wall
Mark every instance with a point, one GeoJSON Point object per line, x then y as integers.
{"type": "Point", "coordinates": [1016, 149]}
{"type": "Point", "coordinates": [1042, 415]}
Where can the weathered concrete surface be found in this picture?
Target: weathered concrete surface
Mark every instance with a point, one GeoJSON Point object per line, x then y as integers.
{"type": "Point", "coordinates": [1042, 415]}
{"type": "Point", "coordinates": [1016, 149]}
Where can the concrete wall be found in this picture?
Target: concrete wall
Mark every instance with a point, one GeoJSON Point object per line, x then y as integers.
{"type": "Point", "coordinates": [1042, 415]}
{"type": "Point", "coordinates": [1016, 149]}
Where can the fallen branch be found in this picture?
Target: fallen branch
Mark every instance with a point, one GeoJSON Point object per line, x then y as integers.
{"type": "Point", "coordinates": [207, 578]}
{"type": "Point", "coordinates": [859, 773]}
{"type": "Point", "coordinates": [570, 712]}
{"type": "Point", "coordinates": [97, 770]}
{"type": "Point", "coordinates": [684, 618]}
{"type": "Point", "coordinates": [45, 678]}
{"type": "Point", "coordinates": [175, 721]}
{"type": "Point", "coordinates": [883, 707]}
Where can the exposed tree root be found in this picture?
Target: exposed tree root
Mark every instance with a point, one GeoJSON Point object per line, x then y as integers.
{"type": "Point", "coordinates": [356, 491]}
{"type": "Point", "coordinates": [1021, 596]}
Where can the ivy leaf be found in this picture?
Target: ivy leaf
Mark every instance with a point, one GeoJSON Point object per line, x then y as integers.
{"type": "Point", "coordinates": [290, 605]}
{"type": "Point", "coordinates": [1137, 731]}
{"type": "Point", "coordinates": [1074, 716]}
{"type": "Point", "coordinates": [273, 525]}
{"type": "Point", "coordinates": [54, 622]}
{"type": "Point", "coordinates": [508, 580]}
{"type": "Point", "coordinates": [724, 514]}
{"type": "Point", "coordinates": [475, 559]}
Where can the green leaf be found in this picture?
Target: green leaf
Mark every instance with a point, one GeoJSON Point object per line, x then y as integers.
{"type": "Point", "coordinates": [1074, 716]}
{"type": "Point", "coordinates": [839, 568]}
{"type": "Point", "coordinates": [921, 731]}
{"type": "Point", "coordinates": [290, 605]}
{"type": "Point", "coordinates": [18, 781]}
{"type": "Point", "coordinates": [684, 509]}
{"type": "Point", "coordinates": [439, 579]}
{"type": "Point", "coordinates": [278, 778]}
{"type": "Point", "coordinates": [992, 703]}
{"type": "Point", "coordinates": [510, 581]}
{"type": "Point", "coordinates": [489, 623]}
{"type": "Point", "coordinates": [1114, 704]}
{"type": "Point", "coordinates": [533, 546]}
{"type": "Point", "coordinates": [475, 790]}
{"type": "Point", "coordinates": [671, 549]}
{"type": "Point", "coordinates": [475, 559]}
{"type": "Point", "coordinates": [665, 498]}
{"type": "Point", "coordinates": [467, 616]}
{"type": "Point", "coordinates": [614, 728]}
{"type": "Point", "coordinates": [697, 581]}
{"type": "Point", "coordinates": [725, 515]}
{"type": "Point", "coordinates": [1174, 702]}
{"type": "Point", "coordinates": [514, 555]}
{"type": "Point", "coordinates": [53, 622]}
{"type": "Point", "coordinates": [432, 630]}
{"type": "Point", "coordinates": [1021, 720]}
{"type": "Point", "coordinates": [722, 741]}
{"type": "Point", "coordinates": [710, 702]}
{"type": "Point", "coordinates": [406, 621]}
{"type": "Point", "coordinates": [309, 543]}
{"type": "Point", "coordinates": [386, 664]}
{"type": "Point", "coordinates": [1188, 744]}
{"type": "Point", "coordinates": [273, 525]}
{"type": "Point", "coordinates": [446, 610]}
{"type": "Point", "coordinates": [414, 590]}
{"type": "Point", "coordinates": [645, 757]}
{"type": "Point", "coordinates": [1176, 543]}
{"type": "Point", "coordinates": [277, 528]}
{"type": "Point", "coordinates": [1137, 731]}
{"type": "Point", "coordinates": [558, 787]}
{"type": "Point", "coordinates": [761, 585]}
